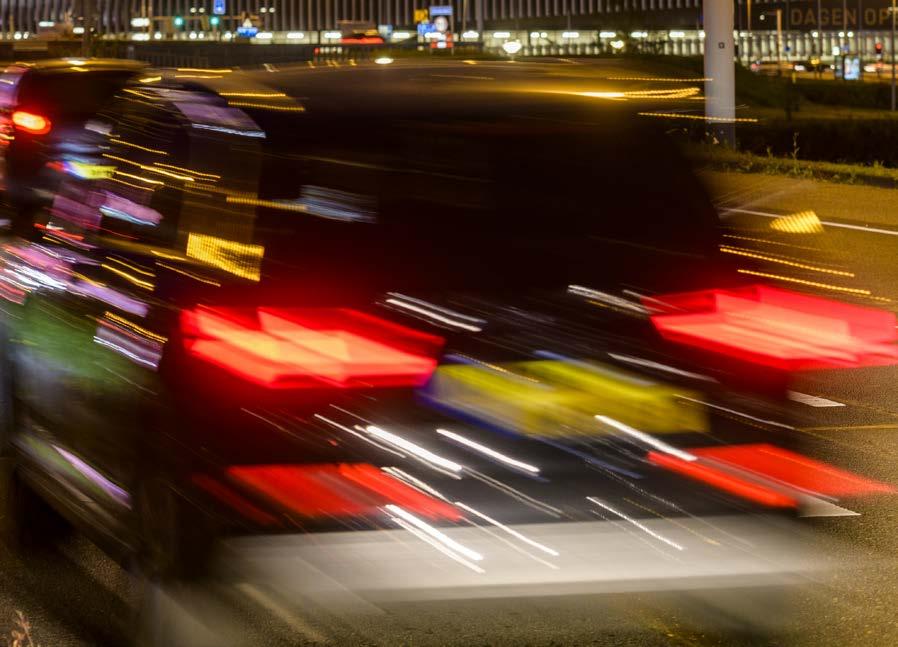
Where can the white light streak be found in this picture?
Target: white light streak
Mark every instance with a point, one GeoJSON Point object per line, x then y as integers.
{"type": "Point", "coordinates": [627, 359]}
{"type": "Point", "coordinates": [358, 435]}
{"type": "Point", "coordinates": [604, 297]}
{"type": "Point", "coordinates": [739, 413]}
{"type": "Point", "coordinates": [433, 532]}
{"type": "Point", "coordinates": [395, 472]}
{"type": "Point", "coordinates": [492, 453]}
{"type": "Point", "coordinates": [643, 528]}
{"type": "Point", "coordinates": [646, 438]}
{"type": "Point", "coordinates": [428, 540]}
{"type": "Point", "coordinates": [412, 448]}
{"type": "Point", "coordinates": [434, 312]}
{"type": "Point", "coordinates": [510, 531]}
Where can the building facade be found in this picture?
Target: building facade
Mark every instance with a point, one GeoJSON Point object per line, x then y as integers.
{"type": "Point", "coordinates": [806, 27]}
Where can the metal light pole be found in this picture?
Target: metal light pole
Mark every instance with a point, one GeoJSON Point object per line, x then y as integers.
{"type": "Point", "coordinates": [748, 17]}
{"type": "Point", "coordinates": [819, 40]}
{"type": "Point", "coordinates": [847, 44]}
{"type": "Point", "coordinates": [478, 16]}
{"type": "Point", "coordinates": [892, 45]}
{"type": "Point", "coordinates": [779, 38]}
{"type": "Point", "coordinates": [845, 20]}
{"type": "Point", "coordinates": [720, 86]}
{"type": "Point", "coordinates": [88, 7]}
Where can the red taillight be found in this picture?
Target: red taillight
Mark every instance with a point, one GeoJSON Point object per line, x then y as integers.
{"type": "Point", "coordinates": [306, 348]}
{"type": "Point", "coordinates": [757, 492]}
{"type": "Point", "coordinates": [778, 328]}
{"type": "Point", "coordinates": [766, 474]}
{"type": "Point", "coordinates": [800, 472]}
{"type": "Point", "coordinates": [31, 123]}
{"type": "Point", "coordinates": [338, 490]}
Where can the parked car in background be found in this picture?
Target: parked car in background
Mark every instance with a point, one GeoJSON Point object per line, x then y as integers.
{"type": "Point", "coordinates": [44, 107]}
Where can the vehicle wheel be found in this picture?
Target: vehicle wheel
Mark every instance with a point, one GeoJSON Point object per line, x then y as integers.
{"type": "Point", "coordinates": [169, 568]}
{"type": "Point", "coordinates": [175, 538]}
{"type": "Point", "coordinates": [27, 522]}
{"type": "Point", "coordinates": [176, 615]}
{"type": "Point", "coordinates": [7, 394]}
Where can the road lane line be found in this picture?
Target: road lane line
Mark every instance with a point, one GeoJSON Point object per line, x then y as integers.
{"type": "Point", "coordinates": [828, 223]}
{"type": "Point", "coordinates": [850, 427]}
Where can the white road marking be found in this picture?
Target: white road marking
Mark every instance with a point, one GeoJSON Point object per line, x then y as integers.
{"type": "Point", "coordinates": [816, 507]}
{"type": "Point", "coordinates": [813, 400]}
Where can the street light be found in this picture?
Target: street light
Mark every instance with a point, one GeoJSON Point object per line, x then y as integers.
{"type": "Point", "coordinates": [512, 47]}
{"type": "Point", "coordinates": [779, 33]}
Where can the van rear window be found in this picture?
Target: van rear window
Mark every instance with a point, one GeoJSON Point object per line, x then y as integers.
{"type": "Point", "coordinates": [69, 95]}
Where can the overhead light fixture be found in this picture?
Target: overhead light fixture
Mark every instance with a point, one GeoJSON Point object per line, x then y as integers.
{"type": "Point", "coordinates": [512, 47]}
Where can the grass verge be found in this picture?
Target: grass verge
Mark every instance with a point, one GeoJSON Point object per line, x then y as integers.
{"type": "Point", "coordinates": [724, 159]}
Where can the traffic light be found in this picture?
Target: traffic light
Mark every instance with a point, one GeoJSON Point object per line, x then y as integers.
{"type": "Point", "coordinates": [179, 21]}
{"type": "Point", "coordinates": [879, 48]}
{"type": "Point", "coordinates": [214, 20]}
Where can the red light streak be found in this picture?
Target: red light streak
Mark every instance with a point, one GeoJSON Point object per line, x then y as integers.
{"type": "Point", "coordinates": [793, 469]}
{"type": "Point", "coordinates": [31, 123]}
{"type": "Point", "coordinates": [778, 328]}
{"type": "Point", "coordinates": [724, 481]}
{"type": "Point", "coordinates": [311, 348]}
{"type": "Point", "coordinates": [363, 40]}
{"type": "Point", "coordinates": [239, 503]}
{"type": "Point", "coordinates": [338, 490]}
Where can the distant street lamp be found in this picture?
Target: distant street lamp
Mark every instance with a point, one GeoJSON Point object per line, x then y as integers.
{"type": "Point", "coordinates": [779, 32]}
{"type": "Point", "coordinates": [512, 47]}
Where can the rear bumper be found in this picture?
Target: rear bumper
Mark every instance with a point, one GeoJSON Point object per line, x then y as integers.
{"type": "Point", "coordinates": [355, 571]}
